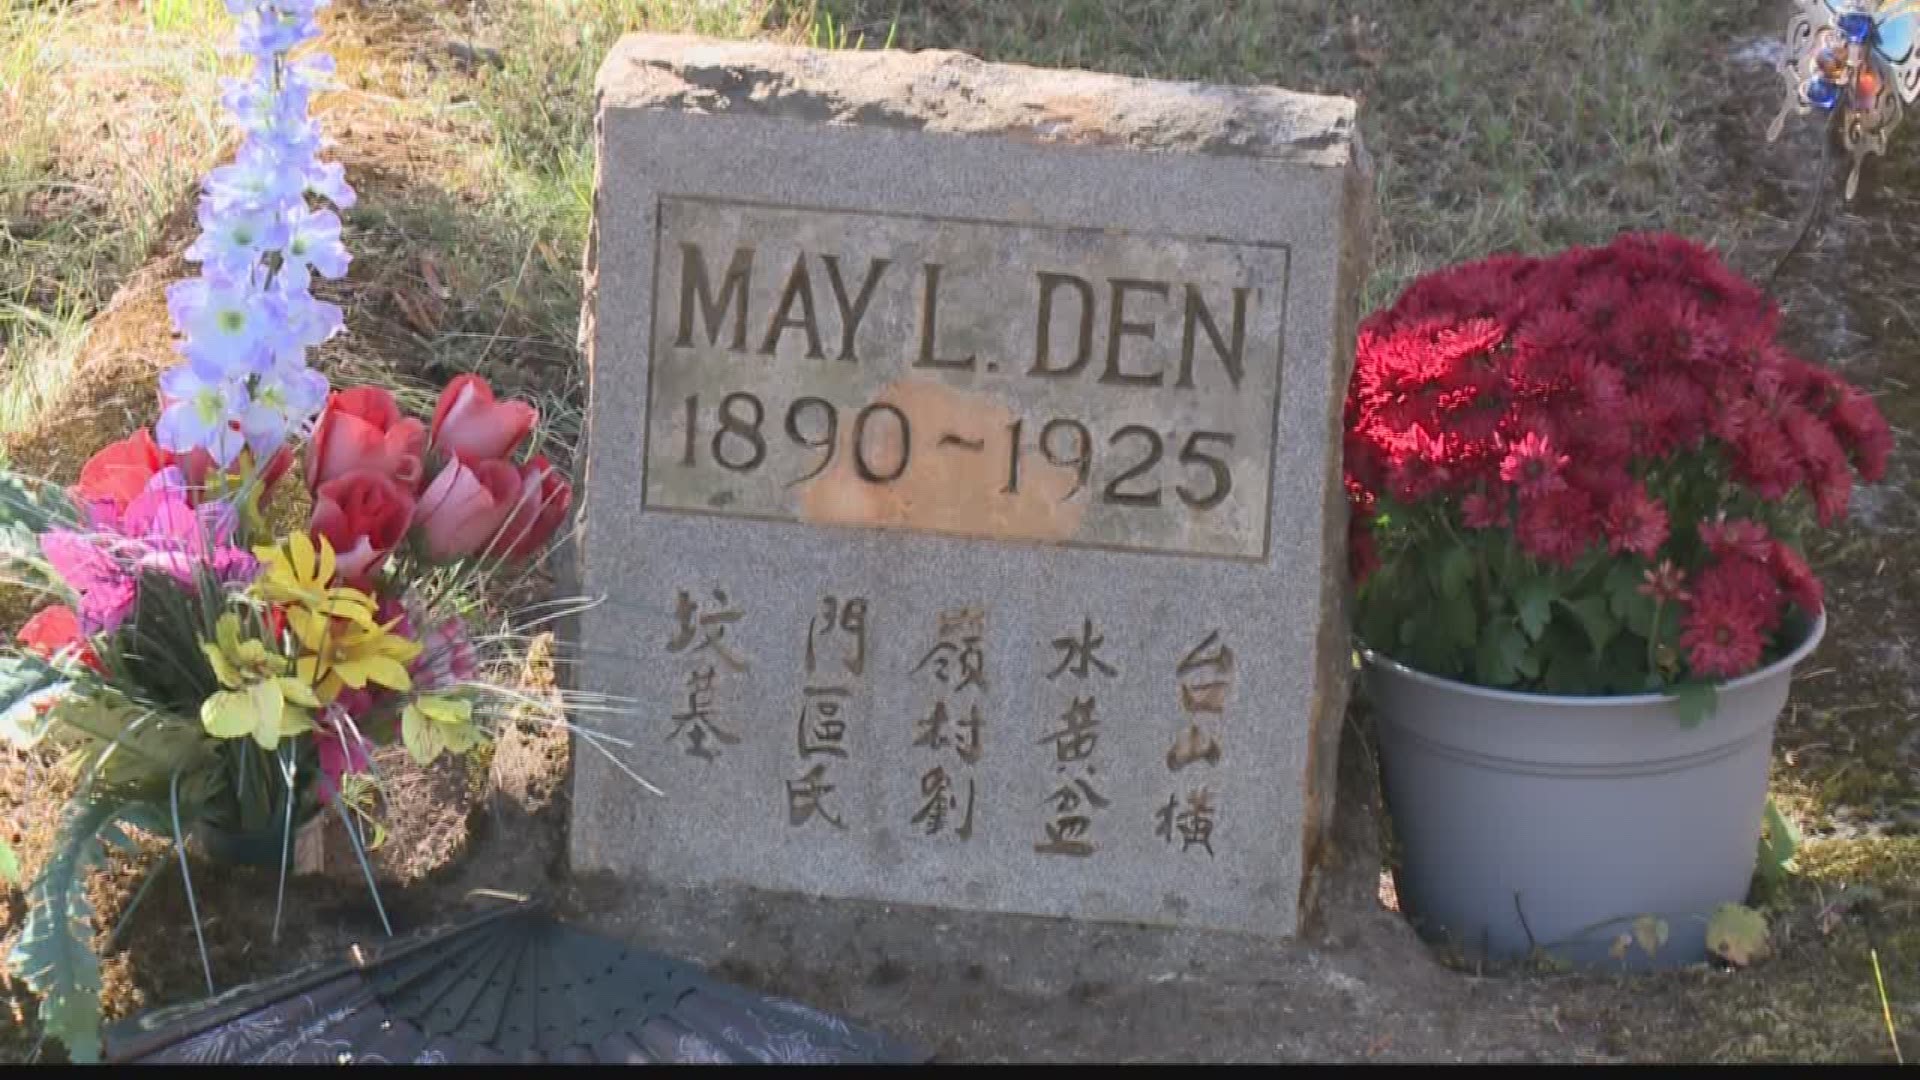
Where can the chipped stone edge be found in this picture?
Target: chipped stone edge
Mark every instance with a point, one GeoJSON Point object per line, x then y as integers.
{"type": "Point", "coordinates": [945, 92]}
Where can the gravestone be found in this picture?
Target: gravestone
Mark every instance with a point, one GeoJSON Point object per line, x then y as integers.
{"type": "Point", "coordinates": [962, 482]}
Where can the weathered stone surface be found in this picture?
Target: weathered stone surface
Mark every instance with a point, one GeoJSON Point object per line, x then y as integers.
{"type": "Point", "coordinates": [927, 390]}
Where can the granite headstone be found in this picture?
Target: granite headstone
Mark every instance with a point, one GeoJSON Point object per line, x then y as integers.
{"type": "Point", "coordinates": [963, 491]}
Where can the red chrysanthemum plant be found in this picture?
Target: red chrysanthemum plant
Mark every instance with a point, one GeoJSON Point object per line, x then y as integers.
{"type": "Point", "coordinates": [1588, 473]}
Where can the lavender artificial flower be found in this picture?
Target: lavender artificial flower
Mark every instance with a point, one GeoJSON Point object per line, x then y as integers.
{"type": "Point", "coordinates": [197, 413]}
{"type": "Point", "coordinates": [281, 400]}
{"type": "Point", "coordinates": [247, 321]}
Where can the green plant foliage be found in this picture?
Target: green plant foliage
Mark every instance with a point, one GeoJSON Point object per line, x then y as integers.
{"type": "Point", "coordinates": [54, 955]}
{"type": "Point", "coordinates": [26, 685]}
{"type": "Point", "coordinates": [1778, 843]}
{"type": "Point", "coordinates": [1694, 702]}
{"type": "Point", "coordinates": [1472, 606]}
{"type": "Point", "coordinates": [27, 509]}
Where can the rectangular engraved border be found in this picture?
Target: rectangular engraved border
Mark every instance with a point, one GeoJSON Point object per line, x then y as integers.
{"type": "Point", "coordinates": [1279, 380]}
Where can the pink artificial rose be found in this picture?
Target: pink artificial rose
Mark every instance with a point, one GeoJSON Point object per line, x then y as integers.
{"type": "Point", "coordinates": [364, 515]}
{"type": "Point", "coordinates": [463, 509]}
{"type": "Point", "coordinates": [363, 428]}
{"type": "Point", "coordinates": [545, 496]}
{"type": "Point", "coordinates": [470, 424]}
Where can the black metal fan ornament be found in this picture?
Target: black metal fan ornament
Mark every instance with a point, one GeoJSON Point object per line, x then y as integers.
{"type": "Point", "coordinates": [507, 985]}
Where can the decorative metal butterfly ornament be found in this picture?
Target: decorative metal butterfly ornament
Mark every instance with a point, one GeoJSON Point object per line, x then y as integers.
{"type": "Point", "coordinates": [1859, 59]}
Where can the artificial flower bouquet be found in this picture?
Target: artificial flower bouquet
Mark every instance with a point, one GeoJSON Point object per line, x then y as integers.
{"type": "Point", "coordinates": [201, 670]}
{"type": "Point", "coordinates": [1589, 473]}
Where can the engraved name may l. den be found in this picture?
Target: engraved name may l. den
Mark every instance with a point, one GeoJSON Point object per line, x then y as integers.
{"type": "Point", "coordinates": [984, 379]}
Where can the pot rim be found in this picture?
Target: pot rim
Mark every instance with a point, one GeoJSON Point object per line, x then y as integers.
{"type": "Point", "coordinates": [1787, 662]}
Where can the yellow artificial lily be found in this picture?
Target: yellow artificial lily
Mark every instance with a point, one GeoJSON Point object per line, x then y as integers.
{"type": "Point", "coordinates": [261, 700]}
{"type": "Point", "coordinates": [354, 655]}
{"type": "Point", "coordinates": [299, 575]}
{"type": "Point", "coordinates": [435, 722]}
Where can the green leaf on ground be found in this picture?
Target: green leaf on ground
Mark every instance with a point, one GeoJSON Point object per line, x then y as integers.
{"type": "Point", "coordinates": [9, 864]}
{"type": "Point", "coordinates": [1778, 843]}
{"type": "Point", "coordinates": [1738, 935]}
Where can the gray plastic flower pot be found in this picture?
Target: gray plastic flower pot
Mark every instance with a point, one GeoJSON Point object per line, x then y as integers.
{"type": "Point", "coordinates": [1531, 820]}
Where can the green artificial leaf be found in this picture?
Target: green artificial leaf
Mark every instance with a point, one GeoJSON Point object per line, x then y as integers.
{"type": "Point", "coordinates": [1598, 623]}
{"type": "Point", "coordinates": [1694, 702]}
{"type": "Point", "coordinates": [1534, 601]}
{"type": "Point", "coordinates": [1455, 573]}
{"type": "Point", "coordinates": [421, 735]}
{"type": "Point", "coordinates": [54, 954]}
{"type": "Point", "coordinates": [27, 509]}
{"type": "Point", "coordinates": [1497, 661]}
{"type": "Point", "coordinates": [1737, 934]}
{"type": "Point", "coordinates": [32, 504]}
{"type": "Point", "coordinates": [1778, 842]}
{"type": "Point", "coordinates": [127, 748]}
{"type": "Point", "coordinates": [1650, 933]}
{"type": "Point", "coordinates": [27, 683]}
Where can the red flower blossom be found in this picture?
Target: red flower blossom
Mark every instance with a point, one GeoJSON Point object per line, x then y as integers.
{"type": "Point", "coordinates": [1558, 527]}
{"type": "Point", "coordinates": [1832, 490]}
{"type": "Point", "coordinates": [1748, 585]}
{"type": "Point", "coordinates": [56, 629]}
{"type": "Point", "coordinates": [1533, 466]}
{"type": "Point", "coordinates": [1797, 579]}
{"type": "Point", "coordinates": [1547, 398]}
{"type": "Point", "coordinates": [1480, 510]}
{"type": "Point", "coordinates": [1865, 431]}
{"type": "Point", "coordinates": [1721, 641]}
{"type": "Point", "coordinates": [118, 472]}
{"type": "Point", "coordinates": [1665, 583]}
{"type": "Point", "coordinates": [1765, 461]}
{"type": "Point", "coordinates": [1736, 538]}
{"type": "Point", "coordinates": [1635, 522]}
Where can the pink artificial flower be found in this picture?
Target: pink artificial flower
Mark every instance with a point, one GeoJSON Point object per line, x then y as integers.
{"type": "Point", "coordinates": [364, 429]}
{"type": "Point", "coordinates": [365, 516]}
{"type": "Point", "coordinates": [470, 424]}
{"type": "Point", "coordinates": [159, 530]}
{"type": "Point", "coordinates": [462, 511]}
{"type": "Point", "coordinates": [544, 499]}
{"type": "Point", "coordinates": [341, 747]}
{"type": "Point", "coordinates": [447, 658]}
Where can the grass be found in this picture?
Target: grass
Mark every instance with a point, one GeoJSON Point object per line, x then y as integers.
{"type": "Point", "coordinates": [108, 121]}
{"type": "Point", "coordinates": [1492, 126]}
